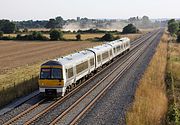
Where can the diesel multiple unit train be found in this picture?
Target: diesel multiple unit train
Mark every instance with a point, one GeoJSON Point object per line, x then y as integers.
{"type": "Point", "coordinates": [59, 75]}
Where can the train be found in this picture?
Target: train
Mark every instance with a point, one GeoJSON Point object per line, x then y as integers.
{"type": "Point", "coordinates": [60, 75]}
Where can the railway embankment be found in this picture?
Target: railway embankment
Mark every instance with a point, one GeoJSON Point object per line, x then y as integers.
{"type": "Point", "coordinates": [151, 103]}
{"type": "Point", "coordinates": [173, 83]}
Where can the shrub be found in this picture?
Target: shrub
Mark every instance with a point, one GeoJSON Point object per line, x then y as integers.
{"type": "Point", "coordinates": [178, 37]}
{"type": "Point", "coordinates": [78, 37]}
{"type": "Point", "coordinates": [107, 37]}
{"type": "Point", "coordinates": [34, 36]}
{"type": "Point", "coordinates": [173, 28]}
{"type": "Point", "coordinates": [7, 38]}
{"type": "Point", "coordinates": [25, 30]}
{"type": "Point", "coordinates": [130, 28]}
{"type": "Point", "coordinates": [56, 35]}
{"type": "Point", "coordinates": [1, 33]}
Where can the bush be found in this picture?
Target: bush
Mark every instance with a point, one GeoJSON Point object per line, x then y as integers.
{"type": "Point", "coordinates": [173, 28]}
{"type": "Point", "coordinates": [107, 37]}
{"type": "Point", "coordinates": [7, 38]}
{"type": "Point", "coordinates": [34, 36]}
{"type": "Point", "coordinates": [56, 35]}
{"type": "Point", "coordinates": [178, 37]}
{"type": "Point", "coordinates": [130, 28]}
{"type": "Point", "coordinates": [25, 30]}
{"type": "Point", "coordinates": [78, 37]}
{"type": "Point", "coordinates": [1, 33]}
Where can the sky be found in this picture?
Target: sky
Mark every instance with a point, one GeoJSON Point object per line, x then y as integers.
{"type": "Point", "coordinates": [99, 9]}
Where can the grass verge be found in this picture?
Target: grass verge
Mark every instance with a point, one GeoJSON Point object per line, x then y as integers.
{"type": "Point", "coordinates": [173, 83]}
{"type": "Point", "coordinates": [150, 104]}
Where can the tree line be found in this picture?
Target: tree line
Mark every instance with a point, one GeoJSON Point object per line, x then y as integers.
{"type": "Point", "coordinates": [8, 27]}
{"type": "Point", "coordinates": [174, 28]}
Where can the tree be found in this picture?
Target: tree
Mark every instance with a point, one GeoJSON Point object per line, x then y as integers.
{"type": "Point", "coordinates": [173, 27]}
{"type": "Point", "coordinates": [7, 27]}
{"type": "Point", "coordinates": [107, 37]}
{"type": "Point", "coordinates": [51, 24]}
{"type": "Point", "coordinates": [56, 35]}
{"type": "Point", "coordinates": [1, 33]}
{"type": "Point", "coordinates": [171, 21]}
{"type": "Point", "coordinates": [78, 37]}
{"type": "Point", "coordinates": [130, 28]}
{"type": "Point", "coordinates": [59, 22]}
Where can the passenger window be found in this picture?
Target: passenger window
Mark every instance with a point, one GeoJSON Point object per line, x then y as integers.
{"type": "Point", "coordinates": [70, 72]}
{"type": "Point", "coordinates": [99, 58]}
{"type": "Point", "coordinates": [81, 67]}
{"type": "Point", "coordinates": [92, 62]}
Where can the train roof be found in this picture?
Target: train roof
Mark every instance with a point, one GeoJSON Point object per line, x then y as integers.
{"type": "Point", "coordinates": [74, 58]}
{"type": "Point", "coordinates": [100, 49]}
{"type": "Point", "coordinates": [119, 41]}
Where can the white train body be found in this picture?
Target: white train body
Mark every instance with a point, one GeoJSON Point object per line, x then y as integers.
{"type": "Point", "coordinates": [59, 74]}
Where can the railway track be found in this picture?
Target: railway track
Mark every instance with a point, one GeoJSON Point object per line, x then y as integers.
{"type": "Point", "coordinates": [43, 107]}
{"type": "Point", "coordinates": [73, 113]}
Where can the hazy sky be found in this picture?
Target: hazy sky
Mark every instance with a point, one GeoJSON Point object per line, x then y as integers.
{"type": "Point", "coordinates": [45, 9]}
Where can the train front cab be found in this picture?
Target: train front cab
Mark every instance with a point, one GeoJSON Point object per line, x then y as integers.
{"type": "Point", "coordinates": [51, 82]}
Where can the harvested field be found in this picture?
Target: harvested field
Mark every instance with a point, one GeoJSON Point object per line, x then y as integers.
{"type": "Point", "coordinates": [83, 36]}
{"type": "Point", "coordinates": [16, 54]}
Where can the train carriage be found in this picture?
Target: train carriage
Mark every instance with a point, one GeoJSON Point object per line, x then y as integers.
{"type": "Point", "coordinates": [72, 68]}
{"type": "Point", "coordinates": [103, 54]}
{"type": "Point", "coordinates": [120, 46]}
{"type": "Point", "coordinates": [59, 75]}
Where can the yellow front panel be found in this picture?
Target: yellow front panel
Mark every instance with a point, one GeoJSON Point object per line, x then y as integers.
{"type": "Point", "coordinates": [51, 83]}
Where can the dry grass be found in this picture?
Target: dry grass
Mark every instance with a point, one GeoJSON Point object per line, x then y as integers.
{"type": "Point", "coordinates": [130, 36]}
{"type": "Point", "coordinates": [173, 80]}
{"type": "Point", "coordinates": [150, 104]}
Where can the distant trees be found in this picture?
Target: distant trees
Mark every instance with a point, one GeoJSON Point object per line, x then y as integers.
{"type": "Point", "coordinates": [130, 28]}
{"type": "Point", "coordinates": [78, 37]}
{"type": "Point", "coordinates": [58, 22]}
{"type": "Point", "coordinates": [51, 24]}
{"type": "Point", "coordinates": [173, 26]}
{"type": "Point", "coordinates": [31, 24]}
{"type": "Point", "coordinates": [56, 35]}
{"type": "Point", "coordinates": [7, 27]}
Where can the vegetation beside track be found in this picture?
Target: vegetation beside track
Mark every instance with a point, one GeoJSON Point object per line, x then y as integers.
{"type": "Point", "coordinates": [150, 104]}
{"type": "Point", "coordinates": [173, 83]}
